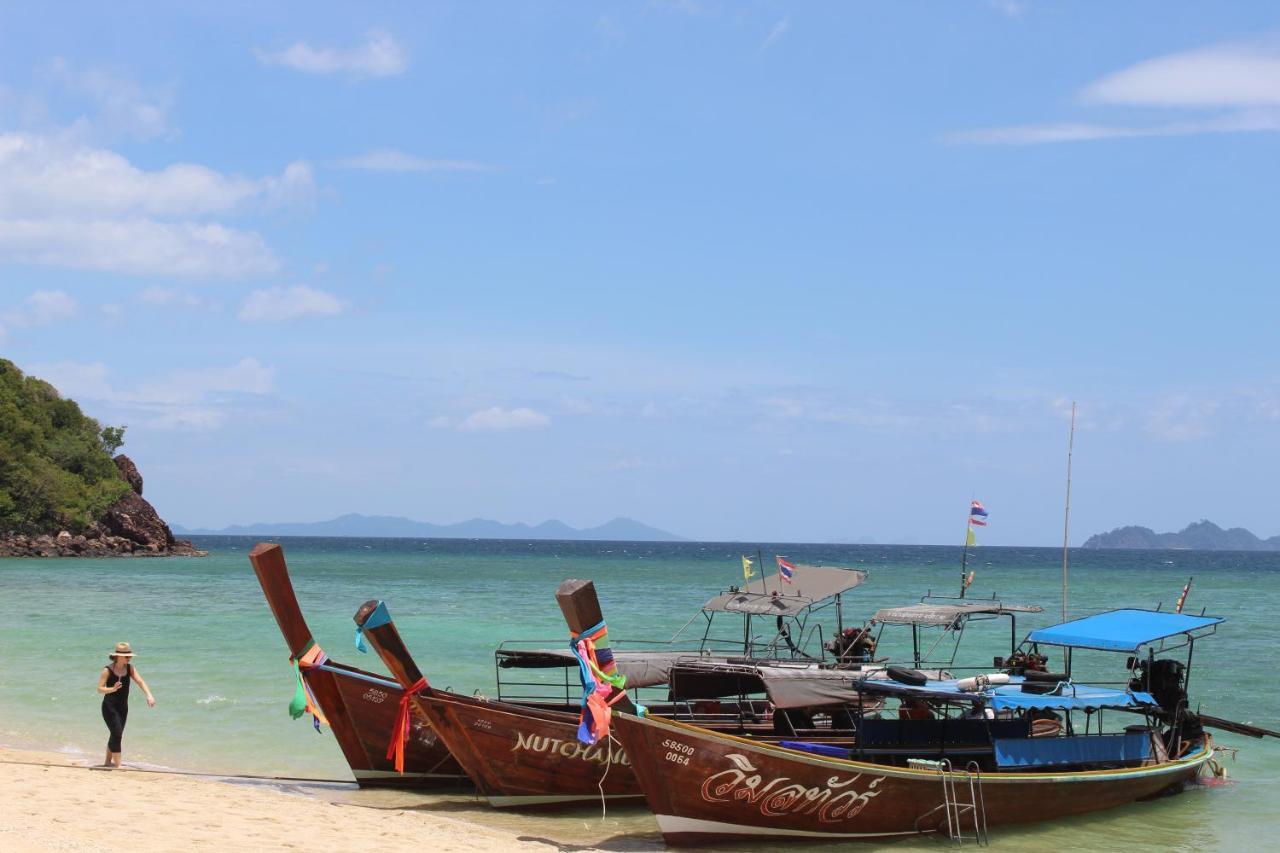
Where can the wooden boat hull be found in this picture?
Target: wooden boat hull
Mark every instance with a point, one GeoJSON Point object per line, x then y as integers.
{"type": "Point", "coordinates": [361, 709]}
{"type": "Point", "coordinates": [706, 787]}
{"type": "Point", "coordinates": [524, 756]}
{"type": "Point", "coordinates": [360, 706]}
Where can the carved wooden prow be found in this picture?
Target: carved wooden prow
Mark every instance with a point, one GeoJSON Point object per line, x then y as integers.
{"type": "Point", "coordinates": [268, 563]}
{"type": "Point", "coordinates": [386, 641]}
{"type": "Point", "coordinates": [581, 609]}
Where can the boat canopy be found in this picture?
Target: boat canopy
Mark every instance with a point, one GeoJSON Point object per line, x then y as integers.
{"type": "Point", "coordinates": [1121, 630]}
{"type": "Point", "coordinates": [773, 596]}
{"type": "Point", "coordinates": [787, 684]}
{"type": "Point", "coordinates": [932, 614]}
{"type": "Point", "coordinates": [1068, 696]}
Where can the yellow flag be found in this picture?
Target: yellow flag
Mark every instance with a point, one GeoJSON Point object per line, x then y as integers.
{"type": "Point", "coordinates": [746, 568]}
{"type": "Point", "coordinates": [970, 541]}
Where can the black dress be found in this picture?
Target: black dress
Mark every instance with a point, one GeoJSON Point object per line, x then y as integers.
{"type": "Point", "coordinates": [115, 707]}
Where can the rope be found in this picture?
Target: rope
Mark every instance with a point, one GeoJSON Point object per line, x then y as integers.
{"type": "Point", "coordinates": [400, 732]}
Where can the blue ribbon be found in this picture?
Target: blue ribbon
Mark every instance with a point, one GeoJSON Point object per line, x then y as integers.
{"type": "Point", "coordinates": [379, 617]}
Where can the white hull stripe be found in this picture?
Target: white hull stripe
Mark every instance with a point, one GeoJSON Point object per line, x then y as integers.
{"type": "Point", "coordinates": [538, 800]}
{"type": "Point", "coordinates": [671, 825]}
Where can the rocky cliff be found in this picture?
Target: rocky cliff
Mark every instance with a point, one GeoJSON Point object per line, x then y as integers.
{"type": "Point", "coordinates": [131, 527]}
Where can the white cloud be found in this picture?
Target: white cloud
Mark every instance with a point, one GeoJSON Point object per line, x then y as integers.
{"type": "Point", "coordinates": [496, 418]}
{"type": "Point", "coordinates": [168, 298]}
{"type": "Point", "coordinates": [43, 308]}
{"type": "Point", "coordinates": [64, 203]}
{"type": "Point", "coordinates": [1241, 78]}
{"type": "Point", "coordinates": [1223, 75]}
{"type": "Point", "coordinates": [1182, 417]}
{"type": "Point", "coordinates": [136, 246]}
{"type": "Point", "coordinates": [277, 304]}
{"type": "Point", "coordinates": [1032, 134]}
{"type": "Point", "coordinates": [390, 160]}
{"type": "Point", "coordinates": [55, 176]}
{"type": "Point", "coordinates": [123, 105]}
{"type": "Point", "coordinates": [776, 32]}
{"type": "Point", "coordinates": [379, 56]}
{"type": "Point", "coordinates": [1012, 8]}
{"type": "Point", "coordinates": [198, 398]}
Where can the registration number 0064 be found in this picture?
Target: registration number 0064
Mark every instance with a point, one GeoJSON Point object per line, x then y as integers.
{"type": "Point", "coordinates": [677, 753]}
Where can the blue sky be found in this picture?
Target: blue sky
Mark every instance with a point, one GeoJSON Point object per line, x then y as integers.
{"type": "Point", "coordinates": [755, 271]}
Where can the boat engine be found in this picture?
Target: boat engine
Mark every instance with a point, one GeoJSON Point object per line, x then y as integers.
{"type": "Point", "coordinates": [852, 644]}
{"type": "Point", "coordinates": [1166, 680]}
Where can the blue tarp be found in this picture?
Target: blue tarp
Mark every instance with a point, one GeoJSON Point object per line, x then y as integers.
{"type": "Point", "coordinates": [1131, 747]}
{"type": "Point", "coordinates": [1120, 630]}
{"type": "Point", "coordinates": [1009, 697]}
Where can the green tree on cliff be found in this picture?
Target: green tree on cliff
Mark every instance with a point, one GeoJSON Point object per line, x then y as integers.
{"type": "Point", "coordinates": [56, 471]}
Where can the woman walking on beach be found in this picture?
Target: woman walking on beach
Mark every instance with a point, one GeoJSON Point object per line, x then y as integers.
{"type": "Point", "coordinates": [113, 684]}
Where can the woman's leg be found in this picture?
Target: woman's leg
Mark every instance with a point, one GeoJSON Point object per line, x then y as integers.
{"type": "Point", "coordinates": [115, 725]}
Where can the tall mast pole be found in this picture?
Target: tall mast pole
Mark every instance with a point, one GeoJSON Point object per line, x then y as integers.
{"type": "Point", "coordinates": [1066, 517]}
{"type": "Point", "coordinates": [964, 554]}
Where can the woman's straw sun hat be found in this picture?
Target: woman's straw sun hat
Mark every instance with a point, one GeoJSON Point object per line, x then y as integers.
{"type": "Point", "coordinates": [123, 650]}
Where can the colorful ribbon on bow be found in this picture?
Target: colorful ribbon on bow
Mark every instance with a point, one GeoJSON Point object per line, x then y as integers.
{"type": "Point", "coordinates": [400, 732]}
{"type": "Point", "coordinates": [303, 701]}
{"type": "Point", "coordinates": [602, 684]}
{"type": "Point", "coordinates": [379, 617]}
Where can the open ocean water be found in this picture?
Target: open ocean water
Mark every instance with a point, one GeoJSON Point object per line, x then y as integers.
{"type": "Point", "coordinates": [210, 650]}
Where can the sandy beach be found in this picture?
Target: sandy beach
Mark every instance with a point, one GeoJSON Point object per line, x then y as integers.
{"type": "Point", "coordinates": [53, 803]}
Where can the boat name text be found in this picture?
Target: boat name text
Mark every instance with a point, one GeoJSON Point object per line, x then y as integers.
{"type": "Point", "coordinates": [599, 753]}
{"type": "Point", "coordinates": [781, 796]}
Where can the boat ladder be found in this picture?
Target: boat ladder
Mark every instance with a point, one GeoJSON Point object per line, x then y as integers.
{"type": "Point", "coordinates": [957, 811]}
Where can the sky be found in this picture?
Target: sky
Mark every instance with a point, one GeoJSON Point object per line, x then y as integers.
{"type": "Point", "coordinates": [750, 271]}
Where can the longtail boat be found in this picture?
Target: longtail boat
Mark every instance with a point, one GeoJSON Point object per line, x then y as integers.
{"type": "Point", "coordinates": [360, 707]}
{"type": "Point", "coordinates": [516, 755]}
{"type": "Point", "coordinates": [707, 787]}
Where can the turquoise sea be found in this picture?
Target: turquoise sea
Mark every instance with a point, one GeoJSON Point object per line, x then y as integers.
{"type": "Point", "coordinates": [209, 648]}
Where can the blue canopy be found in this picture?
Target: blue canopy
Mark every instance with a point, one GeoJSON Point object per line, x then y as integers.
{"type": "Point", "coordinates": [1120, 630]}
{"type": "Point", "coordinates": [1010, 697]}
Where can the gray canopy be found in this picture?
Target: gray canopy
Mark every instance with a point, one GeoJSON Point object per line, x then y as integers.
{"type": "Point", "coordinates": [936, 614]}
{"type": "Point", "coordinates": [773, 596]}
{"type": "Point", "coordinates": [788, 685]}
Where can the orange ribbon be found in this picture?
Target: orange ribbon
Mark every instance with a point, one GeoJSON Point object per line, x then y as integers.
{"type": "Point", "coordinates": [400, 732]}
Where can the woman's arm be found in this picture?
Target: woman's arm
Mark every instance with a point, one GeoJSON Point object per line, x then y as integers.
{"type": "Point", "coordinates": [137, 676]}
{"type": "Point", "coordinates": [102, 683]}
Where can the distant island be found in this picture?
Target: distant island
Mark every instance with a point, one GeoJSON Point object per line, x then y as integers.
{"type": "Point", "coordinates": [1200, 536]}
{"type": "Point", "coordinates": [394, 527]}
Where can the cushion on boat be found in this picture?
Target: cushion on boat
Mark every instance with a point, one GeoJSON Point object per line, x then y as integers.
{"type": "Point", "coordinates": [1131, 747]}
{"type": "Point", "coordinates": [829, 750]}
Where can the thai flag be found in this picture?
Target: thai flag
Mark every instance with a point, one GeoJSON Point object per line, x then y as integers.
{"type": "Point", "coordinates": [977, 522]}
{"type": "Point", "coordinates": [786, 569]}
{"type": "Point", "coordinates": [977, 509]}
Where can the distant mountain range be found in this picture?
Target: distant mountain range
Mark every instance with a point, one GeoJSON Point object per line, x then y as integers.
{"type": "Point", "coordinates": [1200, 536]}
{"type": "Point", "coordinates": [393, 527]}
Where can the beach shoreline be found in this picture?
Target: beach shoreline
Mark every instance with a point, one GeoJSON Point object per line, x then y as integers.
{"type": "Point", "coordinates": [57, 802]}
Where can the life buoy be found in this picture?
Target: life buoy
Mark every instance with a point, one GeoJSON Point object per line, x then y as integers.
{"type": "Point", "coordinates": [912, 677]}
{"type": "Point", "coordinates": [1037, 675]}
